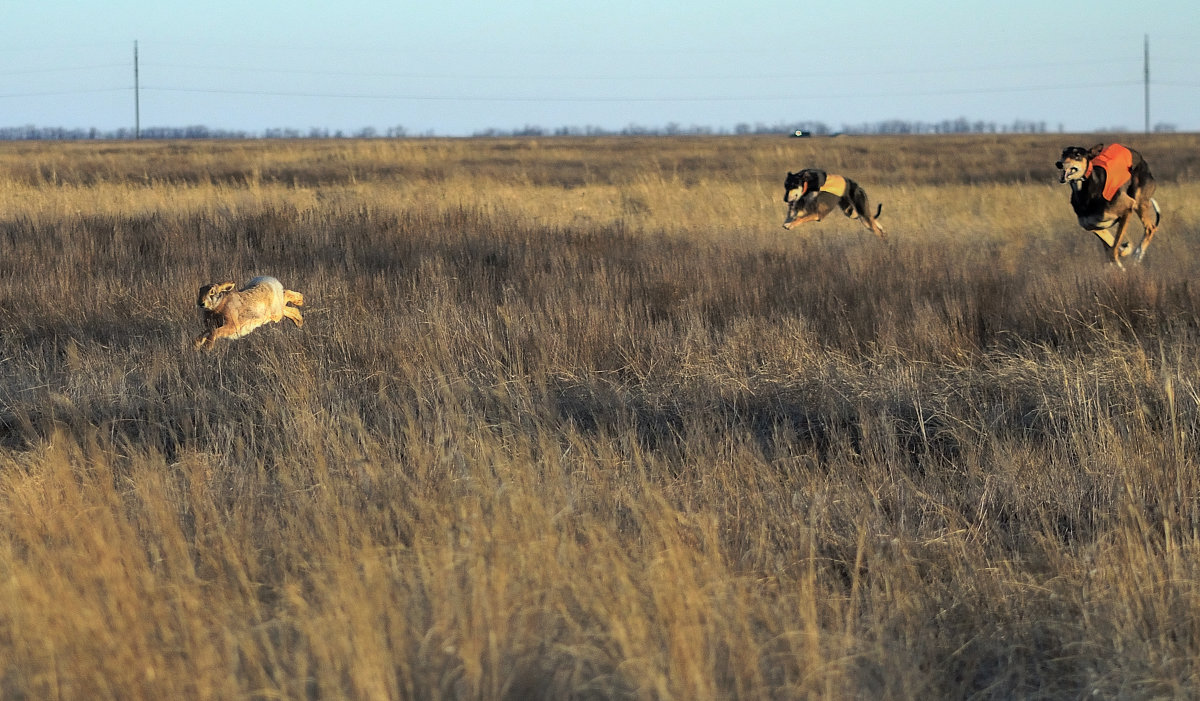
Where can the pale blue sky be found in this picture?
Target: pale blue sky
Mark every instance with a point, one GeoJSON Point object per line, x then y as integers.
{"type": "Point", "coordinates": [455, 67]}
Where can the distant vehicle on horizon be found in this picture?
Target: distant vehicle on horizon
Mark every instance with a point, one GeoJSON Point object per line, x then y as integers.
{"type": "Point", "coordinates": [802, 134]}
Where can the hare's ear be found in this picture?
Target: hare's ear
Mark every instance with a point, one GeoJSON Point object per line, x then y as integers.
{"type": "Point", "coordinates": [224, 287]}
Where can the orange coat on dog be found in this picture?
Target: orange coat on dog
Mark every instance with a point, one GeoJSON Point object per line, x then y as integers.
{"type": "Point", "coordinates": [1117, 162]}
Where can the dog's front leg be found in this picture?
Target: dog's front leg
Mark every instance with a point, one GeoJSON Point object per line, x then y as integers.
{"type": "Point", "coordinates": [1119, 239]}
{"type": "Point", "coordinates": [790, 224]}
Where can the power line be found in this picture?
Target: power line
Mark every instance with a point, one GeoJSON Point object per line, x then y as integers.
{"type": "Point", "coordinates": [18, 49]}
{"type": "Point", "coordinates": [72, 69]}
{"type": "Point", "coordinates": [633, 99]}
{"type": "Point", "coordinates": [55, 93]}
{"type": "Point", "coordinates": [606, 98]}
{"type": "Point", "coordinates": [628, 77]}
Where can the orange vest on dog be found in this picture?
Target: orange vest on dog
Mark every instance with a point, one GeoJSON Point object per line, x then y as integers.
{"type": "Point", "coordinates": [1117, 162]}
{"type": "Point", "coordinates": [834, 184]}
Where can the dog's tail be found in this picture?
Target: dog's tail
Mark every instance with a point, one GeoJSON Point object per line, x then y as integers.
{"type": "Point", "coordinates": [1157, 211]}
{"type": "Point", "coordinates": [878, 210]}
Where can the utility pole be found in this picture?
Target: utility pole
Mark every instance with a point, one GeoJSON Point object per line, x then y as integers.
{"type": "Point", "coordinates": [137, 98]}
{"type": "Point", "coordinates": [1146, 78]}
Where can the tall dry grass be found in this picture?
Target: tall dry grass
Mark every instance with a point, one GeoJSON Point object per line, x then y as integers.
{"type": "Point", "coordinates": [578, 419]}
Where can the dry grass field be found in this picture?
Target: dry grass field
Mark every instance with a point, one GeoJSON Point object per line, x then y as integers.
{"type": "Point", "coordinates": [577, 419]}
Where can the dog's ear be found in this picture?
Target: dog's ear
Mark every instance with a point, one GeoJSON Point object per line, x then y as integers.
{"type": "Point", "coordinates": [819, 178]}
{"type": "Point", "coordinates": [1095, 151]}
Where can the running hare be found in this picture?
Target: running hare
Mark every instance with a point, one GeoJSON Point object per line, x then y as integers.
{"type": "Point", "coordinates": [229, 314]}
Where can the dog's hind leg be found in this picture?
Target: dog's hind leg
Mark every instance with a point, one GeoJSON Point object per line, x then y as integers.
{"type": "Point", "coordinates": [1145, 207]}
{"type": "Point", "coordinates": [877, 229]}
{"type": "Point", "coordinates": [859, 207]}
{"type": "Point", "coordinates": [874, 227]}
{"type": "Point", "coordinates": [872, 222]}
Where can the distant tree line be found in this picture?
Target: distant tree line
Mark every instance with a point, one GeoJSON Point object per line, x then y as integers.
{"type": "Point", "coordinates": [33, 133]}
{"type": "Point", "coordinates": [962, 125]}
{"type": "Point", "coordinates": [893, 126]}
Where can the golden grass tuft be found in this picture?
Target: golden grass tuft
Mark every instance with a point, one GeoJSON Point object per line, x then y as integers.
{"type": "Point", "coordinates": [576, 418]}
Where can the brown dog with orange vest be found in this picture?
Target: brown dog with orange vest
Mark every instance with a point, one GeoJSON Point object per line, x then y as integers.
{"type": "Point", "coordinates": [812, 194]}
{"type": "Point", "coordinates": [1107, 185]}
